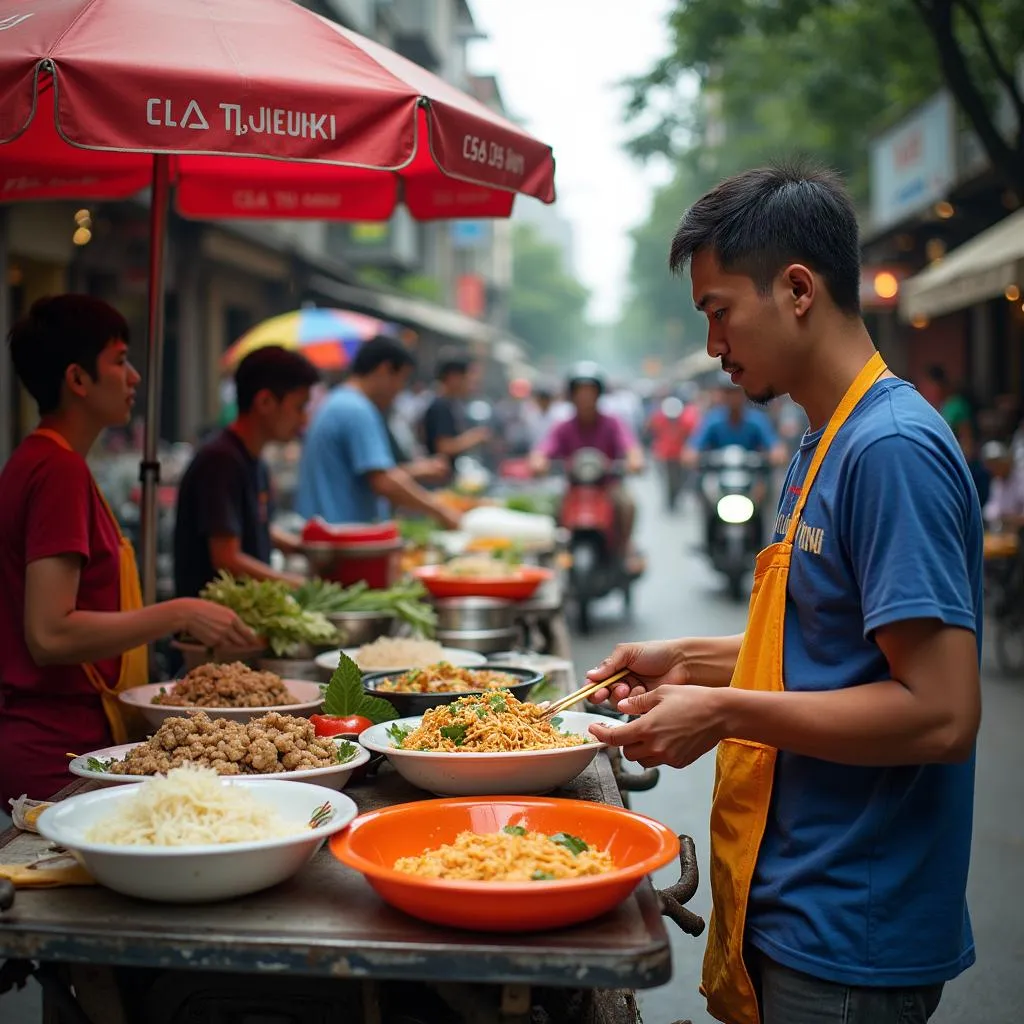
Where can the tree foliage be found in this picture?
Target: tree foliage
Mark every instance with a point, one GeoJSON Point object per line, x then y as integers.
{"type": "Point", "coordinates": [547, 304]}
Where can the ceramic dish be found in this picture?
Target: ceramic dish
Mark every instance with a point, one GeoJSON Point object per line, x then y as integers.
{"type": "Point", "coordinates": [410, 704]}
{"type": "Point", "coordinates": [638, 845]}
{"type": "Point", "coordinates": [328, 661]}
{"type": "Point", "coordinates": [467, 774]}
{"type": "Point", "coordinates": [196, 874]}
{"type": "Point", "coordinates": [519, 587]}
{"type": "Point", "coordinates": [332, 777]}
{"type": "Point", "coordinates": [140, 698]}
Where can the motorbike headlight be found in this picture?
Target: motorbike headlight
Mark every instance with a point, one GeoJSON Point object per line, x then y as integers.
{"type": "Point", "coordinates": [735, 508]}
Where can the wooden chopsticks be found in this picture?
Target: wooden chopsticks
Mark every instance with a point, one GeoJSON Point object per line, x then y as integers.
{"type": "Point", "coordinates": [563, 703]}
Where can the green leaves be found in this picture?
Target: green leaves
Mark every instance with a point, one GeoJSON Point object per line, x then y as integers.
{"type": "Point", "coordinates": [268, 608]}
{"type": "Point", "coordinates": [398, 733]}
{"type": "Point", "coordinates": [542, 876]}
{"type": "Point", "coordinates": [346, 751]}
{"type": "Point", "coordinates": [97, 764]}
{"type": "Point", "coordinates": [455, 733]}
{"type": "Point", "coordinates": [514, 830]}
{"type": "Point", "coordinates": [573, 844]}
{"type": "Point", "coordinates": [344, 695]}
{"type": "Point", "coordinates": [406, 601]}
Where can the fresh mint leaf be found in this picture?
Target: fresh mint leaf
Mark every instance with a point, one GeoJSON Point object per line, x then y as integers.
{"type": "Point", "coordinates": [573, 844]}
{"type": "Point", "coordinates": [346, 751]}
{"type": "Point", "coordinates": [455, 733]}
{"type": "Point", "coordinates": [344, 695]}
{"type": "Point", "coordinates": [398, 733]}
{"type": "Point", "coordinates": [542, 876]}
{"type": "Point", "coordinates": [514, 830]}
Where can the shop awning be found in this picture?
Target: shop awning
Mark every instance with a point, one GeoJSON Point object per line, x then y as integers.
{"type": "Point", "coordinates": [981, 269]}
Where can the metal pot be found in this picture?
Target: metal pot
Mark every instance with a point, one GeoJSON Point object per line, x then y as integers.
{"type": "Point", "coordinates": [472, 614]}
{"type": "Point", "coordinates": [291, 668]}
{"type": "Point", "coordinates": [484, 641]}
{"type": "Point", "coordinates": [358, 628]}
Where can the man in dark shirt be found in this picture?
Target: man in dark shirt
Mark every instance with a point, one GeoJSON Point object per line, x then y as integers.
{"type": "Point", "coordinates": [224, 500]}
{"type": "Point", "coordinates": [445, 428]}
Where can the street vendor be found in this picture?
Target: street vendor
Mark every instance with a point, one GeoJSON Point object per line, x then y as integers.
{"type": "Point", "coordinates": [347, 473]}
{"type": "Point", "coordinates": [846, 715]}
{"type": "Point", "coordinates": [225, 508]}
{"type": "Point", "coordinates": [72, 626]}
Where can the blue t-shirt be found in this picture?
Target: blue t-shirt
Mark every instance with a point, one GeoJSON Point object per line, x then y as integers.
{"type": "Point", "coordinates": [862, 872]}
{"type": "Point", "coordinates": [753, 432]}
{"type": "Point", "coordinates": [346, 440]}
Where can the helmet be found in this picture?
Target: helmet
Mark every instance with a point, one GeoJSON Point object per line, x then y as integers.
{"type": "Point", "coordinates": [586, 373]}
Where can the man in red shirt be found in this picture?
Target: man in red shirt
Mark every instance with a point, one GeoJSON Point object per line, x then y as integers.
{"type": "Point", "coordinates": [62, 631]}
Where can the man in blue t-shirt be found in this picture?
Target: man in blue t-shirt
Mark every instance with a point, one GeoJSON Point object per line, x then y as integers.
{"type": "Point", "coordinates": [856, 911]}
{"type": "Point", "coordinates": [733, 422]}
{"type": "Point", "coordinates": [347, 473]}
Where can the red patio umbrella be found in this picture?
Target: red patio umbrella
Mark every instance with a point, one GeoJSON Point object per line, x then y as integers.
{"type": "Point", "coordinates": [246, 108]}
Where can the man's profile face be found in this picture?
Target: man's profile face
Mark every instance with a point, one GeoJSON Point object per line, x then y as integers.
{"type": "Point", "coordinates": [110, 395]}
{"type": "Point", "coordinates": [286, 416]}
{"type": "Point", "coordinates": [746, 330]}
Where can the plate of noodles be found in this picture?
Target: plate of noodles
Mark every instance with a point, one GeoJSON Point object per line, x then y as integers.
{"type": "Point", "coordinates": [513, 864]}
{"type": "Point", "coordinates": [397, 653]}
{"type": "Point", "coordinates": [476, 576]}
{"type": "Point", "coordinates": [274, 746]}
{"type": "Point", "coordinates": [416, 690]}
{"type": "Point", "coordinates": [193, 836]}
{"type": "Point", "coordinates": [232, 690]}
{"type": "Point", "coordinates": [487, 744]}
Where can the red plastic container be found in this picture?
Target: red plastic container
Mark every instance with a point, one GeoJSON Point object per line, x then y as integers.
{"type": "Point", "coordinates": [349, 552]}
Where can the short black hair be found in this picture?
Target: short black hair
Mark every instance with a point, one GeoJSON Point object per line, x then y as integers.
{"type": "Point", "coordinates": [758, 222]}
{"type": "Point", "coordinates": [451, 361]}
{"type": "Point", "coordinates": [62, 331]}
{"type": "Point", "coordinates": [380, 351]}
{"type": "Point", "coordinates": [274, 369]}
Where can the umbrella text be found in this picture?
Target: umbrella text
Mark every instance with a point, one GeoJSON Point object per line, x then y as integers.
{"type": "Point", "coordinates": [299, 124]}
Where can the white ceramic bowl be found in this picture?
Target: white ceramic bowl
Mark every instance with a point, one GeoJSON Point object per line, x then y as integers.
{"type": "Point", "coordinates": [519, 773]}
{"type": "Point", "coordinates": [457, 656]}
{"type": "Point", "coordinates": [140, 698]}
{"type": "Point", "coordinates": [195, 874]}
{"type": "Point", "coordinates": [332, 777]}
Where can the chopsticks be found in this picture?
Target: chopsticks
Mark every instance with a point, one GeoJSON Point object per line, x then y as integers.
{"type": "Point", "coordinates": [564, 703]}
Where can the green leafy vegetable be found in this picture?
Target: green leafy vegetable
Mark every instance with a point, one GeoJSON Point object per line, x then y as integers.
{"type": "Point", "coordinates": [497, 702]}
{"type": "Point", "coordinates": [407, 601]}
{"type": "Point", "coordinates": [557, 721]}
{"type": "Point", "coordinates": [455, 733]}
{"type": "Point", "coordinates": [514, 830]}
{"type": "Point", "coordinates": [268, 608]}
{"type": "Point", "coordinates": [344, 695]}
{"type": "Point", "coordinates": [346, 751]}
{"type": "Point", "coordinates": [97, 764]}
{"type": "Point", "coordinates": [573, 844]}
{"type": "Point", "coordinates": [398, 733]}
{"type": "Point", "coordinates": [542, 876]}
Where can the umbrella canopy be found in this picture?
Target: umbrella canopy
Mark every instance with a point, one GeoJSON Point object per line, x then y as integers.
{"type": "Point", "coordinates": [328, 338]}
{"type": "Point", "coordinates": [90, 88]}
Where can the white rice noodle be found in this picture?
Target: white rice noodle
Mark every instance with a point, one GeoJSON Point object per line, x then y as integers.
{"type": "Point", "coordinates": [191, 806]}
{"type": "Point", "coordinates": [395, 651]}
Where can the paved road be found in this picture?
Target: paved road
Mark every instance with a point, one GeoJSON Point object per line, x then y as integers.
{"type": "Point", "coordinates": [680, 596]}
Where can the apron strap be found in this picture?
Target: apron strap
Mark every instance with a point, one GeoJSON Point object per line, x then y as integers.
{"type": "Point", "coordinates": [863, 382]}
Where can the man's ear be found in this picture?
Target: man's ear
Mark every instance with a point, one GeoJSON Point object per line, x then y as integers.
{"type": "Point", "coordinates": [76, 379]}
{"type": "Point", "coordinates": [801, 287]}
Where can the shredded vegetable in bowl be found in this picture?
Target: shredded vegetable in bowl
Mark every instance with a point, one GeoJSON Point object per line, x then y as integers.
{"type": "Point", "coordinates": [445, 678]}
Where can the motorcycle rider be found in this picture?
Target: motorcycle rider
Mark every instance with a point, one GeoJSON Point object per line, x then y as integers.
{"type": "Point", "coordinates": [670, 426]}
{"type": "Point", "coordinates": [591, 428]}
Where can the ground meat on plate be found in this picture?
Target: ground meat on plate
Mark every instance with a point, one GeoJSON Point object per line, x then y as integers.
{"type": "Point", "coordinates": [227, 686]}
{"type": "Point", "coordinates": [271, 743]}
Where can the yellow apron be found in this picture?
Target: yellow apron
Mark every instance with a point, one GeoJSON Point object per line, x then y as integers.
{"type": "Point", "coordinates": [134, 663]}
{"type": "Point", "coordinates": [744, 770]}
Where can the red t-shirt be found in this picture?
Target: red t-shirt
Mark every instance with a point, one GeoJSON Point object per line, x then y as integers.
{"type": "Point", "coordinates": [49, 506]}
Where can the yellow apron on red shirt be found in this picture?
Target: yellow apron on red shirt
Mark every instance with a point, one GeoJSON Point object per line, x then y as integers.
{"type": "Point", "coordinates": [745, 770]}
{"type": "Point", "coordinates": [134, 669]}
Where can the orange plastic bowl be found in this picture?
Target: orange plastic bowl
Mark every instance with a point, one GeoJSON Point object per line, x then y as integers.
{"type": "Point", "coordinates": [374, 841]}
{"type": "Point", "coordinates": [520, 587]}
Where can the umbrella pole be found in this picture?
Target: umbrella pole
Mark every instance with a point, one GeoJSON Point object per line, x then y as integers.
{"type": "Point", "coordinates": [149, 468]}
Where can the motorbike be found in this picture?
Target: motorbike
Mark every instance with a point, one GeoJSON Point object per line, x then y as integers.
{"type": "Point", "coordinates": [598, 552]}
{"type": "Point", "coordinates": [733, 486]}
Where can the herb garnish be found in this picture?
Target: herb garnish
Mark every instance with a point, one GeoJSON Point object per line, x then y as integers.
{"type": "Point", "coordinates": [455, 733]}
{"type": "Point", "coordinates": [542, 876]}
{"type": "Point", "coordinates": [398, 733]}
{"type": "Point", "coordinates": [344, 695]}
{"type": "Point", "coordinates": [346, 751]}
{"type": "Point", "coordinates": [97, 764]}
{"type": "Point", "coordinates": [514, 830]}
{"type": "Point", "coordinates": [573, 844]}
{"type": "Point", "coordinates": [321, 815]}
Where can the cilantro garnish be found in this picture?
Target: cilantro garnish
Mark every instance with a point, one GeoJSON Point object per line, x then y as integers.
{"type": "Point", "coordinates": [514, 830]}
{"type": "Point", "coordinates": [573, 844]}
{"type": "Point", "coordinates": [97, 764]}
{"type": "Point", "coordinates": [542, 876]}
{"type": "Point", "coordinates": [346, 751]}
{"type": "Point", "coordinates": [497, 702]}
{"type": "Point", "coordinates": [344, 695]}
{"type": "Point", "coordinates": [455, 733]}
{"type": "Point", "coordinates": [398, 733]}
{"type": "Point", "coordinates": [557, 721]}
{"type": "Point", "coordinates": [481, 712]}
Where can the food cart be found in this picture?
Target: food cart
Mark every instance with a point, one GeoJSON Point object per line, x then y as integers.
{"type": "Point", "coordinates": [323, 944]}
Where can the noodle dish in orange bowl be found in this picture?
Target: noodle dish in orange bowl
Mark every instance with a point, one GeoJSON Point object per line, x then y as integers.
{"type": "Point", "coordinates": [191, 836]}
{"type": "Point", "coordinates": [505, 865]}
{"type": "Point", "coordinates": [487, 743]}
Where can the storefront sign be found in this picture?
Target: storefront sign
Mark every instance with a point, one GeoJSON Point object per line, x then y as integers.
{"type": "Point", "coordinates": [914, 164]}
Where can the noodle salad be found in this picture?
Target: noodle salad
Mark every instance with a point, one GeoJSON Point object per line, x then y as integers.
{"type": "Point", "coordinates": [488, 723]}
{"type": "Point", "coordinates": [511, 855]}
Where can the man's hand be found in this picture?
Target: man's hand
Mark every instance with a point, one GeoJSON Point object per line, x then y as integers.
{"type": "Point", "coordinates": [448, 518]}
{"type": "Point", "coordinates": [540, 465]}
{"type": "Point", "coordinates": [678, 724]}
{"type": "Point", "coordinates": [653, 664]}
{"type": "Point", "coordinates": [213, 625]}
